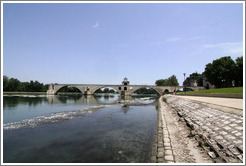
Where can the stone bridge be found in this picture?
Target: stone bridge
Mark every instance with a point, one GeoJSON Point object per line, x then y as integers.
{"type": "Point", "coordinates": [123, 89]}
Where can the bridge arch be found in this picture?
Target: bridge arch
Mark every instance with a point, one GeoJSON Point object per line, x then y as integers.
{"type": "Point", "coordinates": [93, 90]}
{"type": "Point", "coordinates": [134, 89]}
{"type": "Point", "coordinates": [166, 91]}
{"type": "Point", "coordinates": [57, 88]}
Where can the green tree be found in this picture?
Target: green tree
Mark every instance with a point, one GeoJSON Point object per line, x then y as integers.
{"type": "Point", "coordinates": [23, 87]}
{"type": "Point", "coordinates": [171, 81]}
{"type": "Point", "coordinates": [146, 91]}
{"type": "Point", "coordinates": [99, 91]}
{"type": "Point", "coordinates": [106, 90]}
{"type": "Point", "coordinates": [13, 84]}
{"type": "Point", "coordinates": [194, 76]}
{"type": "Point", "coordinates": [111, 91]}
{"type": "Point", "coordinates": [239, 71]}
{"type": "Point", "coordinates": [221, 72]}
{"type": "Point", "coordinates": [160, 82]}
{"type": "Point", "coordinates": [5, 83]}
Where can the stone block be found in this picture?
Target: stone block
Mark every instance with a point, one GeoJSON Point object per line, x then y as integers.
{"type": "Point", "coordinates": [168, 148]}
{"type": "Point", "coordinates": [153, 159]}
{"type": "Point", "coordinates": [167, 145]}
{"type": "Point", "coordinates": [239, 127]}
{"type": "Point", "coordinates": [212, 155]}
{"type": "Point", "coordinates": [238, 134]}
{"type": "Point", "coordinates": [168, 152]}
{"type": "Point", "coordinates": [227, 128]}
{"type": "Point", "coordinates": [219, 137]}
{"type": "Point", "coordinates": [166, 140]}
{"type": "Point", "coordinates": [229, 137]}
{"type": "Point", "coordinates": [160, 160]}
{"type": "Point", "coordinates": [160, 145]}
{"type": "Point", "coordinates": [238, 141]}
{"type": "Point", "coordinates": [160, 154]}
{"type": "Point", "coordinates": [223, 133]}
{"type": "Point", "coordinates": [160, 149]}
{"type": "Point", "coordinates": [233, 125]}
{"type": "Point", "coordinates": [169, 158]}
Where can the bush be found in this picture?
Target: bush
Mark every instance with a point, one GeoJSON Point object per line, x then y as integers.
{"type": "Point", "coordinates": [164, 99]}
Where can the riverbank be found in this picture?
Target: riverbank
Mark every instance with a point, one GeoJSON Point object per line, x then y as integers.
{"type": "Point", "coordinates": [172, 142]}
{"type": "Point", "coordinates": [217, 131]}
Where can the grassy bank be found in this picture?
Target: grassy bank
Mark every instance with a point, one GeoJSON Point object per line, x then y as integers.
{"type": "Point", "coordinates": [217, 91]}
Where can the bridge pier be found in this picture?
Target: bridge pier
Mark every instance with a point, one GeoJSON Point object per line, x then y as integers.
{"type": "Point", "coordinates": [125, 93]}
{"type": "Point", "coordinates": [88, 93]}
{"type": "Point", "coordinates": [51, 92]}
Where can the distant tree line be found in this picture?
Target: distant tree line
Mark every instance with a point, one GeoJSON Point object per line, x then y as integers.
{"type": "Point", "coordinates": [145, 91]}
{"type": "Point", "coordinates": [105, 90]}
{"type": "Point", "coordinates": [171, 81]}
{"type": "Point", "coordinates": [14, 85]}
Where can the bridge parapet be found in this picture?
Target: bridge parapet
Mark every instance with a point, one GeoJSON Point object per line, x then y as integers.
{"type": "Point", "coordinates": [90, 89]}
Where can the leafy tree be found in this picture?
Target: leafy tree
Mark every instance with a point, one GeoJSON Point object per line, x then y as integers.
{"type": "Point", "coordinates": [239, 71]}
{"type": "Point", "coordinates": [145, 91]}
{"type": "Point", "coordinates": [14, 84]}
{"type": "Point", "coordinates": [99, 91]}
{"type": "Point", "coordinates": [161, 82]}
{"type": "Point", "coordinates": [111, 91]}
{"type": "Point", "coordinates": [65, 89]}
{"type": "Point", "coordinates": [106, 90]}
{"type": "Point", "coordinates": [5, 83]}
{"type": "Point", "coordinates": [23, 87]}
{"type": "Point", "coordinates": [171, 81]}
{"type": "Point", "coordinates": [221, 72]}
{"type": "Point", "coordinates": [45, 87]}
{"type": "Point", "coordinates": [194, 76]}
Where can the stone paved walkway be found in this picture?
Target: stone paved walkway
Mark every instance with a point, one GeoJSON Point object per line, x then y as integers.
{"type": "Point", "coordinates": [172, 141]}
{"type": "Point", "coordinates": [227, 102]}
{"type": "Point", "coordinates": [221, 131]}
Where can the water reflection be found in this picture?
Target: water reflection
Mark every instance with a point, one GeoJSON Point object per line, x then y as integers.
{"type": "Point", "coordinates": [14, 101]}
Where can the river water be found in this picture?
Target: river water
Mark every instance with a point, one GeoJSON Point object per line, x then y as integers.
{"type": "Point", "coordinates": [78, 129]}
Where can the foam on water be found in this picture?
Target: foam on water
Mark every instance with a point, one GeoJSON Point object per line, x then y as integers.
{"type": "Point", "coordinates": [51, 118]}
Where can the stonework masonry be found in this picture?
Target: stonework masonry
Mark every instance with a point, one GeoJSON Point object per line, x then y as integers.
{"type": "Point", "coordinates": [221, 133]}
{"type": "Point", "coordinates": [172, 141]}
{"type": "Point", "coordinates": [89, 89]}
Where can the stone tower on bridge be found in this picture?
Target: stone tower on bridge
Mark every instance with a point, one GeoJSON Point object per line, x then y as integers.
{"type": "Point", "coordinates": [124, 89]}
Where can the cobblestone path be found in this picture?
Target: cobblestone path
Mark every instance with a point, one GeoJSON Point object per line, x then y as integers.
{"type": "Point", "coordinates": [221, 131]}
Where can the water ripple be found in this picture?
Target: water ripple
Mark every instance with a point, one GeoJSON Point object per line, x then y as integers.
{"type": "Point", "coordinates": [51, 118]}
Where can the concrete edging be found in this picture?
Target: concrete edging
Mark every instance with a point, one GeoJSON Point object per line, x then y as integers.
{"type": "Point", "coordinates": [230, 95]}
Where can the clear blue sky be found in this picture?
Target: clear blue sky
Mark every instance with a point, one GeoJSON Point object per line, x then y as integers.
{"type": "Point", "coordinates": [103, 43]}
